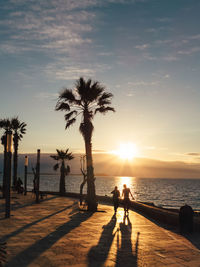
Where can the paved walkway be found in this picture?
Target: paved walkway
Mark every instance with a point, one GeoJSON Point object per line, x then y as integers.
{"type": "Point", "coordinates": [56, 233]}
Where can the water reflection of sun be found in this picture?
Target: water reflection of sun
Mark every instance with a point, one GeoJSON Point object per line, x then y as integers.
{"type": "Point", "coordinates": [124, 180]}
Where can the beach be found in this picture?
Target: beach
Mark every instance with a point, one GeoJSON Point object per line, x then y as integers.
{"type": "Point", "coordinates": [57, 233]}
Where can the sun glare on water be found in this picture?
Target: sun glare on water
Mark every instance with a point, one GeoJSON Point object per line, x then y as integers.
{"type": "Point", "coordinates": [127, 151]}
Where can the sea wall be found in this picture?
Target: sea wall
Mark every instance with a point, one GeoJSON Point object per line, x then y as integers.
{"type": "Point", "coordinates": [169, 218]}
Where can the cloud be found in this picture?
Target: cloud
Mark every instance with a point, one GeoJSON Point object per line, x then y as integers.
{"type": "Point", "coordinates": [164, 19]}
{"type": "Point", "coordinates": [142, 46]}
{"type": "Point", "coordinates": [166, 76]}
{"type": "Point", "coordinates": [189, 51]}
{"type": "Point", "coordinates": [196, 154]}
{"type": "Point", "coordinates": [130, 94]}
{"type": "Point", "coordinates": [170, 58]}
{"type": "Point", "coordinates": [71, 68]}
{"type": "Point", "coordinates": [52, 27]}
{"type": "Point", "coordinates": [143, 83]}
{"type": "Point", "coordinates": [69, 72]}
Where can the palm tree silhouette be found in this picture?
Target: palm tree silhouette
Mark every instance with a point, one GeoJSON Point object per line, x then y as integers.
{"type": "Point", "coordinates": [19, 129]}
{"type": "Point", "coordinates": [5, 124]}
{"type": "Point", "coordinates": [88, 98]}
{"type": "Point", "coordinates": [61, 157]}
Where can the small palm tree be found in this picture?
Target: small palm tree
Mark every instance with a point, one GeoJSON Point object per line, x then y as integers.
{"type": "Point", "coordinates": [5, 124]}
{"type": "Point", "coordinates": [62, 156]}
{"type": "Point", "coordinates": [87, 99]}
{"type": "Point", "coordinates": [19, 129]}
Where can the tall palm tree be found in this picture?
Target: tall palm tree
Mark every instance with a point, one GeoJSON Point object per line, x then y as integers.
{"type": "Point", "coordinates": [5, 124]}
{"type": "Point", "coordinates": [87, 99]}
{"type": "Point", "coordinates": [19, 129]}
{"type": "Point", "coordinates": [62, 156]}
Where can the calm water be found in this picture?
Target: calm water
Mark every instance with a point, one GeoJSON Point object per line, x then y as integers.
{"type": "Point", "coordinates": [168, 193]}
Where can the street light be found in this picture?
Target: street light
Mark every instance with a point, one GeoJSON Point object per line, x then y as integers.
{"type": "Point", "coordinates": [8, 172]}
{"type": "Point", "coordinates": [25, 174]}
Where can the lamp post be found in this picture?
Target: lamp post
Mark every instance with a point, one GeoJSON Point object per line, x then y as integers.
{"type": "Point", "coordinates": [25, 174]}
{"type": "Point", "coordinates": [38, 177]}
{"type": "Point", "coordinates": [8, 172]}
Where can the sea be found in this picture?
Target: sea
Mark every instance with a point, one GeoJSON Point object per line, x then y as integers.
{"type": "Point", "coordinates": [166, 193]}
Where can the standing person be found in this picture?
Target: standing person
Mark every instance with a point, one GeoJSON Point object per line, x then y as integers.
{"type": "Point", "coordinates": [116, 195]}
{"type": "Point", "coordinates": [19, 186]}
{"type": "Point", "coordinates": [125, 193]}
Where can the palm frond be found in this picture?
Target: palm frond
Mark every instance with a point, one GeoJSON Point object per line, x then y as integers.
{"type": "Point", "coordinates": [3, 139]}
{"type": "Point", "coordinates": [59, 152]}
{"type": "Point", "coordinates": [55, 157]}
{"type": "Point", "coordinates": [70, 122]}
{"type": "Point", "coordinates": [18, 127]}
{"type": "Point", "coordinates": [68, 156]}
{"type": "Point", "coordinates": [69, 115]}
{"type": "Point", "coordinates": [104, 109]}
{"type": "Point", "coordinates": [62, 106]}
{"type": "Point", "coordinates": [81, 88]}
{"type": "Point", "coordinates": [15, 123]}
{"type": "Point", "coordinates": [95, 91]}
{"type": "Point", "coordinates": [5, 124]}
{"type": "Point", "coordinates": [105, 99]}
{"type": "Point", "coordinates": [56, 166]}
{"type": "Point", "coordinates": [67, 95]}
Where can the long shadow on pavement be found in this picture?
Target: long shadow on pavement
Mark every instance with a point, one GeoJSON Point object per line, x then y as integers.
{"type": "Point", "coordinates": [25, 257]}
{"type": "Point", "coordinates": [18, 231]}
{"type": "Point", "coordinates": [125, 255]}
{"type": "Point", "coordinates": [19, 205]}
{"type": "Point", "coordinates": [99, 253]}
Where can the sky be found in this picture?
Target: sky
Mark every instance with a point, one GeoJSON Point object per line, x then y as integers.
{"type": "Point", "coordinates": [145, 52]}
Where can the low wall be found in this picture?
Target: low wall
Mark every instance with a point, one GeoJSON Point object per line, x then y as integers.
{"type": "Point", "coordinates": [170, 218]}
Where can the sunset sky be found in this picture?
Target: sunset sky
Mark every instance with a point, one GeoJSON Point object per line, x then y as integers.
{"type": "Point", "coordinates": [146, 52]}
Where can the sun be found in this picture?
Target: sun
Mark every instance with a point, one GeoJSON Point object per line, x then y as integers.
{"type": "Point", "coordinates": [127, 151]}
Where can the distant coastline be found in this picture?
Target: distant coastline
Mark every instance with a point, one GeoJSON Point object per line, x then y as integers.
{"type": "Point", "coordinates": [108, 165]}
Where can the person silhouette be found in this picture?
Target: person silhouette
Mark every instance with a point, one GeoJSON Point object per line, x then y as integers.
{"type": "Point", "coordinates": [116, 195]}
{"type": "Point", "coordinates": [125, 194]}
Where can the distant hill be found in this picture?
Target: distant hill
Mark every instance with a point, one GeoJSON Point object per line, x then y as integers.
{"type": "Point", "coordinates": [46, 162]}
{"type": "Point", "coordinates": [108, 164]}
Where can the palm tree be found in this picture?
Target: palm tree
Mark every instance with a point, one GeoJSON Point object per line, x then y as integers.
{"type": "Point", "coordinates": [19, 129]}
{"type": "Point", "coordinates": [88, 98]}
{"type": "Point", "coordinates": [61, 157]}
{"type": "Point", "coordinates": [5, 124]}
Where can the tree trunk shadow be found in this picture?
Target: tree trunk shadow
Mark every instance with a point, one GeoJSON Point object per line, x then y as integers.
{"type": "Point", "coordinates": [28, 255]}
{"type": "Point", "coordinates": [99, 253]}
{"type": "Point", "coordinates": [23, 228]}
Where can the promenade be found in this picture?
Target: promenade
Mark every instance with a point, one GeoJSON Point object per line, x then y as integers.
{"type": "Point", "coordinates": [56, 233]}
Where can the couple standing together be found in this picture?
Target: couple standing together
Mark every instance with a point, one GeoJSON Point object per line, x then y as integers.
{"type": "Point", "coordinates": [125, 195]}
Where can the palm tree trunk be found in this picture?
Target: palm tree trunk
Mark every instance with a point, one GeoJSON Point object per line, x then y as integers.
{"type": "Point", "coordinates": [4, 167]}
{"type": "Point", "coordinates": [81, 187]}
{"type": "Point", "coordinates": [91, 195]}
{"type": "Point", "coordinates": [62, 179]}
{"type": "Point", "coordinates": [15, 161]}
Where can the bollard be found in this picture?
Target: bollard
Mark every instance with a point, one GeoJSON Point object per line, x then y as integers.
{"type": "Point", "coordinates": [186, 219]}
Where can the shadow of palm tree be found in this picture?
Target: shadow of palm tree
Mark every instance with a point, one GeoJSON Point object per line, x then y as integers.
{"type": "Point", "coordinates": [99, 253]}
{"type": "Point", "coordinates": [19, 205]}
{"type": "Point", "coordinates": [18, 231]}
{"type": "Point", "coordinates": [125, 256]}
{"type": "Point", "coordinates": [25, 257]}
